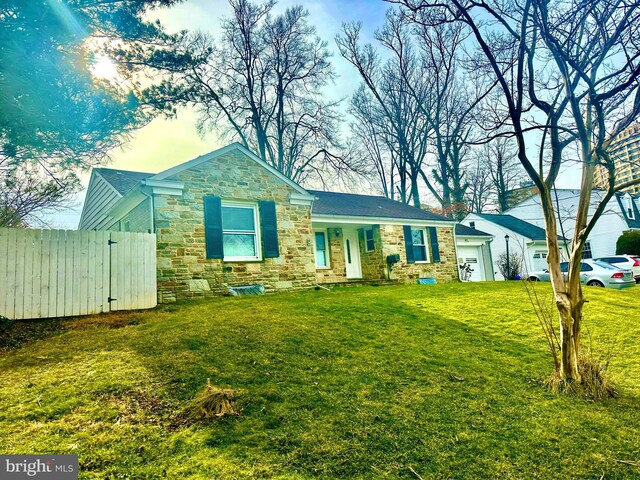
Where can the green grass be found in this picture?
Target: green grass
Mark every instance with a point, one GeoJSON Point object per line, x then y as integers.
{"type": "Point", "coordinates": [353, 383]}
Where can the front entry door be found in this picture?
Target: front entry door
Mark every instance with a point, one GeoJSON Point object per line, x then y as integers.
{"type": "Point", "coordinates": [352, 254]}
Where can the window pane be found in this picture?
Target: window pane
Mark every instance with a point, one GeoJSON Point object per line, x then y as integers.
{"type": "Point", "coordinates": [418, 237]}
{"type": "Point", "coordinates": [237, 218]}
{"type": "Point", "coordinates": [369, 239]}
{"type": "Point", "coordinates": [419, 253]}
{"type": "Point", "coordinates": [321, 258]}
{"type": "Point", "coordinates": [320, 243]}
{"type": "Point", "coordinates": [239, 245]}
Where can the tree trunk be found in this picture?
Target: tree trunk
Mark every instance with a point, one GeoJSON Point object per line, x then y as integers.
{"type": "Point", "coordinates": [567, 293]}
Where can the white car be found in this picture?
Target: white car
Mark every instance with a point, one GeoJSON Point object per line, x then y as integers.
{"type": "Point", "coordinates": [630, 262]}
{"type": "Point", "coordinates": [593, 274]}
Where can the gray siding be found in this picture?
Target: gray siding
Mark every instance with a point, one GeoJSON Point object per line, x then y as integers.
{"type": "Point", "coordinates": [100, 198]}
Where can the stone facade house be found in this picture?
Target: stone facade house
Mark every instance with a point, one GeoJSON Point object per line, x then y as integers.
{"type": "Point", "coordinates": [227, 219]}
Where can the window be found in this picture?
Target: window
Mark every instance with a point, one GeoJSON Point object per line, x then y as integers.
{"type": "Point", "coordinates": [322, 254]}
{"type": "Point", "coordinates": [472, 224]}
{"type": "Point", "coordinates": [585, 267]}
{"type": "Point", "coordinates": [368, 235]}
{"type": "Point", "coordinates": [419, 239]}
{"type": "Point", "coordinates": [629, 208]}
{"type": "Point", "coordinates": [586, 250]}
{"type": "Point", "coordinates": [240, 232]}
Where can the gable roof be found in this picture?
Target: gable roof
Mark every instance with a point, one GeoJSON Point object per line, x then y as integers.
{"type": "Point", "coordinates": [631, 222]}
{"type": "Point", "coordinates": [122, 180]}
{"type": "Point", "coordinates": [221, 151]}
{"type": "Point", "coordinates": [464, 231]}
{"type": "Point", "coordinates": [516, 225]}
{"type": "Point", "coordinates": [355, 205]}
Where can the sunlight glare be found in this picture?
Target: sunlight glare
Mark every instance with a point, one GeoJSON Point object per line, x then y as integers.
{"type": "Point", "coordinates": [104, 68]}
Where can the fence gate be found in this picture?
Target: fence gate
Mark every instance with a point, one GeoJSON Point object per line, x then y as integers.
{"type": "Point", "coordinates": [61, 273]}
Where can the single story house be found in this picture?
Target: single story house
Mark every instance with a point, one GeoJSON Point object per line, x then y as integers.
{"type": "Point", "coordinates": [474, 249]}
{"type": "Point", "coordinates": [229, 219]}
{"type": "Point", "coordinates": [525, 239]}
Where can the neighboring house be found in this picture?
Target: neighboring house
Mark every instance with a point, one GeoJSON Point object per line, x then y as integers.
{"type": "Point", "coordinates": [621, 214]}
{"type": "Point", "coordinates": [525, 239]}
{"type": "Point", "coordinates": [474, 248]}
{"type": "Point", "coordinates": [228, 219]}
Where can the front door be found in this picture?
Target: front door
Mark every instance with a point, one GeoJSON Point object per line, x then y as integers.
{"type": "Point", "coordinates": [352, 254]}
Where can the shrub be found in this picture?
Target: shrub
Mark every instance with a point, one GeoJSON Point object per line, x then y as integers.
{"type": "Point", "coordinates": [510, 270]}
{"type": "Point", "coordinates": [628, 243]}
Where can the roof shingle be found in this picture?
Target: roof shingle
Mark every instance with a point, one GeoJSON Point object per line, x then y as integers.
{"type": "Point", "coordinates": [122, 180]}
{"type": "Point", "coordinates": [464, 231]}
{"type": "Point", "coordinates": [354, 205]}
{"type": "Point", "coordinates": [516, 225]}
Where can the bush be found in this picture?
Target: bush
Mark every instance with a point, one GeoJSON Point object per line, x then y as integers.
{"type": "Point", "coordinates": [628, 244]}
{"type": "Point", "coordinates": [510, 270]}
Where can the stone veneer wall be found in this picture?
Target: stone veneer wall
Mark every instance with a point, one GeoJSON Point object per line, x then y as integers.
{"type": "Point", "coordinates": [389, 239]}
{"type": "Point", "coordinates": [373, 263]}
{"type": "Point", "coordinates": [183, 269]}
{"type": "Point", "coordinates": [392, 237]}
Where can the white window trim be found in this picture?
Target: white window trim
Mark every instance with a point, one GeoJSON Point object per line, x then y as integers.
{"type": "Point", "coordinates": [425, 234]}
{"type": "Point", "coordinates": [366, 243]}
{"type": "Point", "coordinates": [327, 250]}
{"type": "Point", "coordinates": [256, 223]}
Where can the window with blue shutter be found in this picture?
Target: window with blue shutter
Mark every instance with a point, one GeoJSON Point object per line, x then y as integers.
{"type": "Point", "coordinates": [269, 229]}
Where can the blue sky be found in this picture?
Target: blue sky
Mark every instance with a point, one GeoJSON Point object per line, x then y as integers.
{"type": "Point", "coordinates": [165, 143]}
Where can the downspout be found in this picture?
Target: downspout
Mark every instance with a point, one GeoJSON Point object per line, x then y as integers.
{"type": "Point", "coordinates": [493, 273]}
{"type": "Point", "coordinates": [455, 250]}
{"type": "Point", "coordinates": [152, 209]}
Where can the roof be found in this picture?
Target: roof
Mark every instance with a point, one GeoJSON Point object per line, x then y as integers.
{"type": "Point", "coordinates": [354, 205]}
{"type": "Point", "coordinates": [516, 225]}
{"type": "Point", "coordinates": [122, 180]}
{"type": "Point", "coordinates": [464, 231]}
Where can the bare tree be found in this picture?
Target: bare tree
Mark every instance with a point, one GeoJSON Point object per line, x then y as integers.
{"type": "Point", "coordinates": [479, 195]}
{"type": "Point", "coordinates": [397, 107]}
{"type": "Point", "coordinates": [426, 99]}
{"type": "Point", "coordinates": [455, 96]}
{"type": "Point", "coordinates": [503, 168]}
{"type": "Point", "coordinates": [264, 80]}
{"type": "Point", "coordinates": [27, 190]}
{"type": "Point", "coordinates": [568, 78]}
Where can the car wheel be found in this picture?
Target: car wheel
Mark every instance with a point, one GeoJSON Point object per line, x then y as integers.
{"type": "Point", "coordinates": [595, 283]}
{"type": "Point", "coordinates": [533, 279]}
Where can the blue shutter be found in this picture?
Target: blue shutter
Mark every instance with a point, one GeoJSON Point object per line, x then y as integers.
{"type": "Point", "coordinates": [408, 244]}
{"type": "Point", "coordinates": [435, 249]}
{"type": "Point", "coordinates": [269, 225]}
{"type": "Point", "coordinates": [213, 227]}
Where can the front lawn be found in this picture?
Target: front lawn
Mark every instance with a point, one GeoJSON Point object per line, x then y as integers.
{"type": "Point", "coordinates": [367, 382]}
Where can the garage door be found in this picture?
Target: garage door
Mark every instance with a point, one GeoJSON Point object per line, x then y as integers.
{"type": "Point", "coordinates": [473, 257]}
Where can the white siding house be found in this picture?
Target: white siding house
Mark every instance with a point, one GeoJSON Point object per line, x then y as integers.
{"type": "Point", "coordinates": [620, 215]}
{"type": "Point", "coordinates": [526, 240]}
{"type": "Point", "coordinates": [473, 248]}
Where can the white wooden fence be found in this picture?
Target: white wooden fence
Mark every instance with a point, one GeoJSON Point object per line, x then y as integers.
{"type": "Point", "coordinates": [60, 273]}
